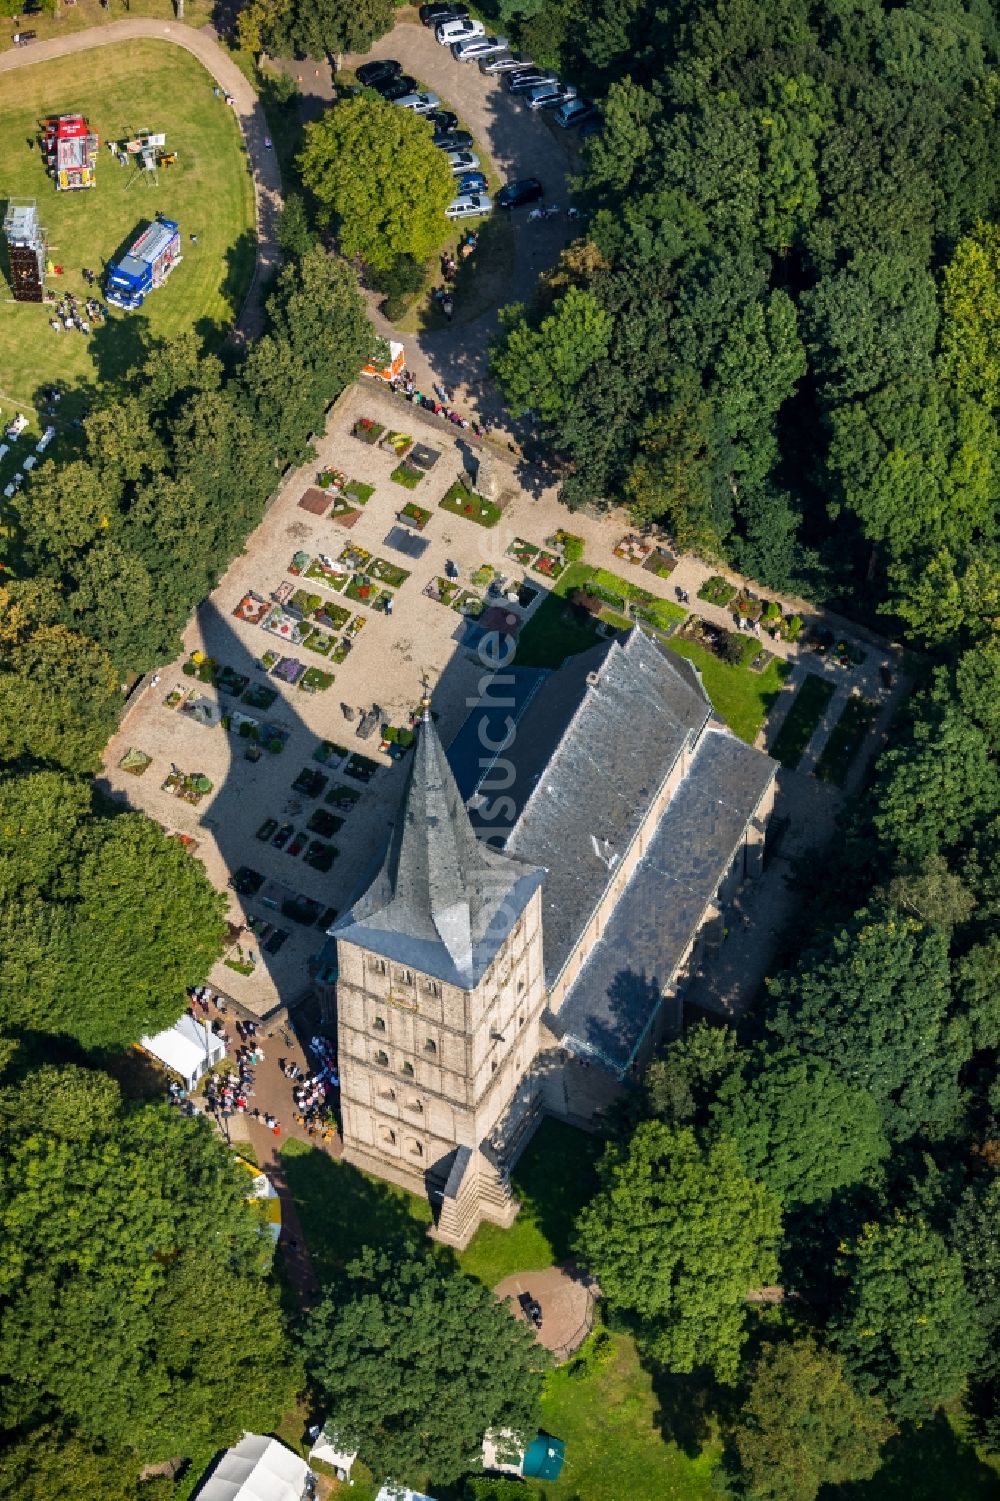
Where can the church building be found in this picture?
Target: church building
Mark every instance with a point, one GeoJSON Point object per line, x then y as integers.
{"type": "Point", "coordinates": [549, 885]}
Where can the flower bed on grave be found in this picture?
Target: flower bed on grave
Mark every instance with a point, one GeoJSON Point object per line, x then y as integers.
{"type": "Point", "coordinates": [407, 475]}
{"type": "Point", "coordinates": [329, 753]}
{"type": "Point", "coordinates": [397, 443]}
{"type": "Point", "coordinates": [367, 430]}
{"type": "Point", "coordinates": [341, 651]}
{"type": "Point", "coordinates": [173, 698]}
{"type": "Point", "coordinates": [288, 670]}
{"type": "Point", "coordinates": [357, 491]}
{"type": "Point", "coordinates": [331, 480]}
{"type": "Point", "coordinates": [388, 573]}
{"type": "Point", "coordinates": [228, 680]}
{"type": "Point", "coordinates": [315, 680]}
{"type": "Point", "coordinates": [355, 557]}
{"type": "Point", "coordinates": [469, 604]}
{"type": "Point", "coordinates": [568, 543]}
{"type": "Point", "coordinates": [442, 589]}
{"type": "Point", "coordinates": [362, 589]}
{"type": "Point", "coordinates": [190, 787]}
{"type": "Point", "coordinates": [483, 576]}
{"type": "Point", "coordinates": [361, 768]}
{"type": "Point", "coordinates": [356, 626]}
{"type": "Point", "coordinates": [321, 642]}
{"type": "Point", "coordinates": [252, 608]}
{"type": "Point", "coordinates": [522, 552]}
{"type": "Point", "coordinates": [305, 602]}
{"type": "Point", "coordinates": [333, 617]}
{"type": "Point", "coordinates": [320, 855]}
{"type": "Point", "coordinates": [717, 591]}
{"type": "Point", "coordinates": [461, 501]}
{"type": "Point", "coordinates": [280, 623]}
{"type": "Point", "coordinates": [201, 667]}
{"type": "Point", "coordinates": [324, 824]}
{"type": "Point", "coordinates": [548, 564]}
{"type": "Point", "coordinates": [415, 515]}
{"type": "Point", "coordinates": [330, 578]}
{"type": "Point", "coordinates": [343, 798]}
{"type": "Point", "coordinates": [135, 762]}
{"type": "Point", "coordinates": [341, 508]}
{"type": "Point", "coordinates": [299, 563]}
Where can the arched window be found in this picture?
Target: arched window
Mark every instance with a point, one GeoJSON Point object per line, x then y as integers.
{"type": "Point", "coordinates": [408, 1070]}
{"type": "Point", "coordinates": [381, 1058]}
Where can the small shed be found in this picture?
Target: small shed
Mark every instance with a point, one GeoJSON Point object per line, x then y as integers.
{"type": "Point", "coordinates": [188, 1048]}
{"type": "Point", "coordinates": [258, 1469]}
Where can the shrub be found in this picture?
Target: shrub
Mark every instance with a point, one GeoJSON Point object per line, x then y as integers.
{"type": "Point", "coordinates": [590, 604]}
{"type": "Point", "coordinates": [573, 549]}
{"type": "Point", "coordinates": [731, 647]}
{"type": "Point", "coordinates": [404, 277]}
{"type": "Point", "coordinates": [393, 308]}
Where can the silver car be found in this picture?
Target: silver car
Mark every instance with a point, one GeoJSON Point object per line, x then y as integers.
{"type": "Point", "coordinates": [458, 31]}
{"type": "Point", "coordinates": [549, 93]}
{"type": "Point", "coordinates": [505, 63]}
{"type": "Point", "coordinates": [462, 161]}
{"type": "Point", "coordinates": [469, 206]}
{"type": "Point", "coordinates": [478, 46]}
{"type": "Point", "coordinates": [421, 104]}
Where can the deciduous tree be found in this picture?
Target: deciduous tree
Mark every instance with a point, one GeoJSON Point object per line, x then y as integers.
{"type": "Point", "coordinates": [416, 1363]}
{"type": "Point", "coordinates": [677, 1236]}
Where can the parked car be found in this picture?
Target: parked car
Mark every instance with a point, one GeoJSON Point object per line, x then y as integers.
{"type": "Point", "coordinates": [528, 78]}
{"type": "Point", "coordinates": [513, 194]}
{"type": "Point", "coordinates": [380, 71]}
{"type": "Point", "coordinates": [23, 38]}
{"type": "Point", "coordinates": [574, 112]}
{"type": "Point", "coordinates": [469, 206]}
{"type": "Point", "coordinates": [421, 104]}
{"type": "Point", "coordinates": [396, 88]}
{"type": "Point", "coordinates": [435, 15]}
{"type": "Point", "coordinates": [463, 161]}
{"type": "Point", "coordinates": [452, 140]}
{"type": "Point", "coordinates": [443, 119]}
{"type": "Point", "coordinates": [471, 182]}
{"type": "Point", "coordinates": [458, 31]}
{"type": "Point", "coordinates": [506, 62]}
{"type": "Point", "coordinates": [555, 101]}
{"type": "Point", "coordinates": [478, 46]}
{"type": "Point", "coordinates": [558, 92]}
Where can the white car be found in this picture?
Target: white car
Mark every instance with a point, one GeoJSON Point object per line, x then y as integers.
{"type": "Point", "coordinates": [469, 206]}
{"type": "Point", "coordinates": [478, 46]}
{"type": "Point", "coordinates": [421, 104]}
{"type": "Point", "coordinates": [462, 161]}
{"type": "Point", "coordinates": [459, 31]}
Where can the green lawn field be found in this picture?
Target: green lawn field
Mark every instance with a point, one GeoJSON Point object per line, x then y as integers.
{"type": "Point", "coordinates": [139, 85]}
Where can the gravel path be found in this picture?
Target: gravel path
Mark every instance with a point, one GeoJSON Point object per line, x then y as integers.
{"type": "Point", "coordinates": [264, 167]}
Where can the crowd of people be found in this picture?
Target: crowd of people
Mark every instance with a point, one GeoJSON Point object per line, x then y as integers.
{"type": "Point", "coordinates": [439, 403]}
{"type": "Point", "coordinates": [70, 314]}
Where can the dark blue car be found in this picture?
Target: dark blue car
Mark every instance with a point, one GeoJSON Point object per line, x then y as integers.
{"type": "Point", "coordinates": [472, 182]}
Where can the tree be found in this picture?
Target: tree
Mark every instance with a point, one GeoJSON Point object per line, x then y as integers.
{"type": "Point", "coordinates": [379, 178]}
{"type": "Point", "coordinates": [542, 369]}
{"type": "Point", "coordinates": [136, 1305]}
{"type": "Point", "coordinates": [416, 1363]}
{"type": "Point", "coordinates": [970, 307]}
{"type": "Point", "coordinates": [905, 1325]}
{"type": "Point", "coordinates": [36, 1467]}
{"type": "Point", "coordinates": [677, 1236]}
{"type": "Point", "coordinates": [104, 922]}
{"type": "Point", "coordinates": [803, 1426]}
{"type": "Point", "coordinates": [872, 323]}
{"type": "Point", "coordinates": [295, 234]}
{"type": "Point", "coordinates": [801, 1127]}
{"type": "Point", "coordinates": [59, 694]}
{"type": "Point", "coordinates": [873, 1003]}
{"type": "Point", "coordinates": [682, 1082]}
{"type": "Point", "coordinates": [933, 893]}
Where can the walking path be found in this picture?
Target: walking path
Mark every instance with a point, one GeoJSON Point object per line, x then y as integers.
{"type": "Point", "coordinates": [264, 168]}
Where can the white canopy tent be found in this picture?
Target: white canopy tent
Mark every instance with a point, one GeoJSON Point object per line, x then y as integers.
{"type": "Point", "coordinates": [331, 1451]}
{"type": "Point", "coordinates": [257, 1469]}
{"type": "Point", "coordinates": [188, 1047]}
{"type": "Point", "coordinates": [400, 1493]}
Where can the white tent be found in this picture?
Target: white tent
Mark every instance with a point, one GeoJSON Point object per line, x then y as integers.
{"type": "Point", "coordinates": [188, 1047]}
{"type": "Point", "coordinates": [257, 1469]}
{"type": "Point", "coordinates": [329, 1449]}
{"type": "Point", "coordinates": [390, 1492]}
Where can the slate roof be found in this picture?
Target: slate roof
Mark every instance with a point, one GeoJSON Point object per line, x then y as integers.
{"type": "Point", "coordinates": [586, 756]}
{"type": "Point", "coordinates": [443, 901]}
{"type": "Point", "coordinates": [614, 1000]}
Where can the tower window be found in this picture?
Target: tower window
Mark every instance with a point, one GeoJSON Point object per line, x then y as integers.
{"type": "Point", "coordinates": [388, 1136]}
{"type": "Point", "coordinates": [378, 1022]}
{"type": "Point", "coordinates": [416, 1149]}
{"type": "Point", "coordinates": [381, 1058]}
{"type": "Point", "coordinates": [433, 988]}
{"type": "Point", "coordinates": [404, 976]}
{"type": "Point", "coordinates": [377, 966]}
{"type": "Point", "coordinates": [407, 1070]}
{"type": "Point", "coordinates": [387, 1094]}
{"type": "Point", "coordinates": [430, 1046]}
{"type": "Point", "coordinates": [417, 1105]}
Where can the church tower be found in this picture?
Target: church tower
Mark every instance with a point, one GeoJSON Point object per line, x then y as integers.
{"type": "Point", "coordinates": [439, 998]}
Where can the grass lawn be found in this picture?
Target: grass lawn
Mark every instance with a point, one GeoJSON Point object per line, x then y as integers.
{"type": "Point", "coordinates": [553, 1180]}
{"type": "Point", "coordinates": [461, 501]}
{"type": "Point", "coordinates": [845, 740]}
{"type": "Point", "coordinates": [741, 697]}
{"type": "Point", "coordinates": [606, 1410]}
{"type": "Point", "coordinates": [801, 721]}
{"type": "Point", "coordinates": [144, 84]}
{"type": "Point", "coordinates": [556, 631]}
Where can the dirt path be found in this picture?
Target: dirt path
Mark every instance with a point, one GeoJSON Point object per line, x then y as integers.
{"type": "Point", "coordinates": [264, 168]}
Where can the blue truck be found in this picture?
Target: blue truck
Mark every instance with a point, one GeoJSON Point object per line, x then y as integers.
{"type": "Point", "coordinates": [145, 265]}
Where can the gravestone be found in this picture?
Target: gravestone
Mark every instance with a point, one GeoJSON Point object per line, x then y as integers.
{"type": "Point", "coordinates": [487, 481]}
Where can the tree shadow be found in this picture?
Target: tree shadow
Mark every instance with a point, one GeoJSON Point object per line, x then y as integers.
{"type": "Point", "coordinates": [555, 1178]}
{"type": "Point", "coordinates": [689, 1406]}
{"type": "Point", "coordinates": [925, 1464]}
